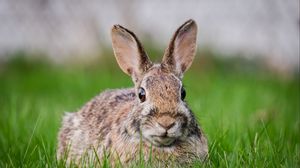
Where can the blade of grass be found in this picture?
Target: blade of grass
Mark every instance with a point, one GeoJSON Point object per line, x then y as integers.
{"type": "Point", "coordinates": [32, 134]}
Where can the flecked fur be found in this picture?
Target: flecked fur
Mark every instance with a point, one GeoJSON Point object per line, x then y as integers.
{"type": "Point", "coordinates": [118, 122]}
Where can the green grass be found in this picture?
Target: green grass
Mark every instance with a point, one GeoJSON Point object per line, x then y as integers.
{"type": "Point", "coordinates": [250, 116]}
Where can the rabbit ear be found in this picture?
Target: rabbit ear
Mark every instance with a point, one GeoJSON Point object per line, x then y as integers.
{"type": "Point", "coordinates": [179, 55]}
{"type": "Point", "coordinates": [129, 52]}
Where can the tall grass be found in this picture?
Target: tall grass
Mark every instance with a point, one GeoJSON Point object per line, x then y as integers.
{"type": "Point", "coordinates": [251, 117]}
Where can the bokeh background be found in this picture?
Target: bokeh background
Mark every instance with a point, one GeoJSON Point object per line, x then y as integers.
{"type": "Point", "coordinates": [243, 86]}
{"type": "Point", "coordinates": [66, 29]}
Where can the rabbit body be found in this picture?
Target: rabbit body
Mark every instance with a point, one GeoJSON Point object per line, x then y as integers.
{"type": "Point", "coordinates": [152, 117]}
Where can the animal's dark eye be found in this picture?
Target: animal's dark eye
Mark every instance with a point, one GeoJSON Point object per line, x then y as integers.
{"type": "Point", "coordinates": [183, 93]}
{"type": "Point", "coordinates": [142, 94]}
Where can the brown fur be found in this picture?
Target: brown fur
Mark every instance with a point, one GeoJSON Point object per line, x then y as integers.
{"type": "Point", "coordinates": [118, 122]}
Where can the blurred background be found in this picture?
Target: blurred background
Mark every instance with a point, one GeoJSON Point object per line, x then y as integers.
{"type": "Point", "coordinates": [243, 86]}
{"type": "Point", "coordinates": [66, 29]}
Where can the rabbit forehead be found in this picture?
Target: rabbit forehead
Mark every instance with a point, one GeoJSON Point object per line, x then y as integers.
{"type": "Point", "coordinates": [157, 80]}
{"type": "Point", "coordinates": [161, 87]}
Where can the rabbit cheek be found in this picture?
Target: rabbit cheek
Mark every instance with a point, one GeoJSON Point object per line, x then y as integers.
{"type": "Point", "coordinates": [147, 133]}
{"type": "Point", "coordinates": [147, 111]}
{"type": "Point", "coordinates": [136, 125]}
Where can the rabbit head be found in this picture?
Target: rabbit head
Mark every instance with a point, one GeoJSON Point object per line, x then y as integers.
{"type": "Point", "coordinates": [160, 115]}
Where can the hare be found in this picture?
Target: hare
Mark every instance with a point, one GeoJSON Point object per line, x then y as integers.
{"type": "Point", "coordinates": [151, 117]}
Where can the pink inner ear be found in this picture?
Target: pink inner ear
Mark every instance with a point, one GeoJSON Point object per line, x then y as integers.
{"type": "Point", "coordinates": [181, 51]}
{"type": "Point", "coordinates": [185, 47]}
{"type": "Point", "coordinates": [126, 50]}
{"type": "Point", "coordinates": [129, 52]}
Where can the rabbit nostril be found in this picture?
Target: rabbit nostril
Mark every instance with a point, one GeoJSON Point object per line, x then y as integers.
{"type": "Point", "coordinates": [167, 125]}
{"type": "Point", "coordinates": [171, 125]}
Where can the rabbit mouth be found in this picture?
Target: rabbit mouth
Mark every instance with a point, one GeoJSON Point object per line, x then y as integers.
{"type": "Point", "coordinates": [163, 141]}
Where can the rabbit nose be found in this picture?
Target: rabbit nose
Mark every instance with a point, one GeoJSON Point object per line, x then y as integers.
{"type": "Point", "coordinates": [167, 125]}
{"type": "Point", "coordinates": [166, 122]}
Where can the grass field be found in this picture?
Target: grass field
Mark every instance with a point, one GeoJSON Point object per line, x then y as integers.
{"type": "Point", "coordinates": [250, 116]}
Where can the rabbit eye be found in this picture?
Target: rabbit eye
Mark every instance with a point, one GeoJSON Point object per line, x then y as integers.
{"type": "Point", "coordinates": [142, 94]}
{"type": "Point", "coordinates": [183, 93]}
